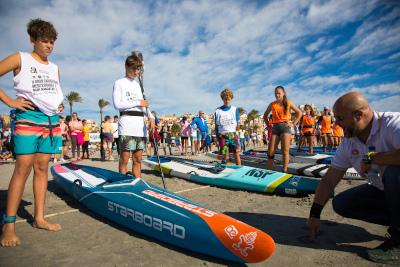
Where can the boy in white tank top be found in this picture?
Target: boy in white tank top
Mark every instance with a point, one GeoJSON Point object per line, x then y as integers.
{"type": "Point", "coordinates": [36, 81]}
{"type": "Point", "coordinates": [226, 125]}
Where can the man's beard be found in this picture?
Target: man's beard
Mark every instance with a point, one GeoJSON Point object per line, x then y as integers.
{"type": "Point", "coordinates": [350, 131]}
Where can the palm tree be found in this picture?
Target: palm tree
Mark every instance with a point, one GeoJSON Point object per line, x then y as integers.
{"type": "Point", "coordinates": [102, 104]}
{"type": "Point", "coordinates": [247, 122]}
{"type": "Point", "coordinates": [241, 111]}
{"type": "Point", "coordinates": [252, 115]}
{"type": "Point", "coordinates": [175, 129]}
{"type": "Point", "coordinates": [73, 97]}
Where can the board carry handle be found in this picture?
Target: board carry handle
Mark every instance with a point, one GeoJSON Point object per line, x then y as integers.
{"type": "Point", "coordinates": [78, 182]}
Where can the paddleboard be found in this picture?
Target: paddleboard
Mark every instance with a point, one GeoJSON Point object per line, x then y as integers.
{"type": "Point", "coordinates": [315, 148]}
{"type": "Point", "coordinates": [319, 170]}
{"type": "Point", "coordinates": [311, 158]}
{"type": "Point", "coordinates": [162, 215]}
{"type": "Point", "coordinates": [237, 177]}
{"type": "Point", "coordinates": [303, 169]}
{"type": "Point", "coordinates": [295, 152]}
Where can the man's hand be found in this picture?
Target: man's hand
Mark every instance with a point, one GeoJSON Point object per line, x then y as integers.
{"type": "Point", "coordinates": [364, 168]}
{"type": "Point", "coordinates": [144, 103]}
{"type": "Point", "coordinates": [313, 225]}
{"type": "Point", "coordinates": [322, 195]}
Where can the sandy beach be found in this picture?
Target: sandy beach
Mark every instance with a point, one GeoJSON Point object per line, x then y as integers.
{"type": "Point", "coordinates": [89, 240]}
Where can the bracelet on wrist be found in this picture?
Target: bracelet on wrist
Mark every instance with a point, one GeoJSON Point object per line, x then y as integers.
{"type": "Point", "coordinates": [315, 211]}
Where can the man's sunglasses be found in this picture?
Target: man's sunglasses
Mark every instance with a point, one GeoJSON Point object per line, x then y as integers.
{"type": "Point", "coordinates": [338, 118]}
{"type": "Point", "coordinates": [341, 118]}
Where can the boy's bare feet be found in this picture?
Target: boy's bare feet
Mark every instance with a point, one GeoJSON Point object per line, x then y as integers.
{"type": "Point", "coordinates": [8, 237]}
{"type": "Point", "coordinates": [45, 225]}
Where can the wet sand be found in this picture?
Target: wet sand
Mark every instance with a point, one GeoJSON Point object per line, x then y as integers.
{"type": "Point", "coordinates": [89, 240]}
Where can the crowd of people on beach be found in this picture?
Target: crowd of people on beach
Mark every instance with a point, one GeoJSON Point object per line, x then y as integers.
{"type": "Point", "coordinates": [371, 142]}
{"type": "Point", "coordinates": [312, 131]}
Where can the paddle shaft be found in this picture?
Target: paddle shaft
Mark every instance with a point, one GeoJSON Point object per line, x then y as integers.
{"type": "Point", "coordinates": [140, 78]}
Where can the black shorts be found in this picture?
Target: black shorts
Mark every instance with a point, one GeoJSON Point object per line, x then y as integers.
{"type": "Point", "coordinates": [184, 137]}
{"type": "Point", "coordinates": [308, 134]}
{"type": "Point", "coordinates": [281, 128]}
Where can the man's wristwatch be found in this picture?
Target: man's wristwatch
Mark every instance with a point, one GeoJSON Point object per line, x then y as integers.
{"type": "Point", "coordinates": [367, 159]}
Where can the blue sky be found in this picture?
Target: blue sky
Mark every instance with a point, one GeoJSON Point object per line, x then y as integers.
{"type": "Point", "coordinates": [317, 50]}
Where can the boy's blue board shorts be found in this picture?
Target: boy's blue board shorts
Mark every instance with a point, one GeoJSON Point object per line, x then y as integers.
{"type": "Point", "coordinates": [35, 132]}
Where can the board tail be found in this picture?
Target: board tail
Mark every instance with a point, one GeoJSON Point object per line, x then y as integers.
{"type": "Point", "coordinates": [246, 242]}
{"type": "Point", "coordinates": [243, 240]}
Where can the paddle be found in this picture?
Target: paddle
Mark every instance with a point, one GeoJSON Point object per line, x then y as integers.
{"type": "Point", "coordinates": [140, 78]}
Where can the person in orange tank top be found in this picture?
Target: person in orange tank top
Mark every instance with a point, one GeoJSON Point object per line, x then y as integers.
{"type": "Point", "coordinates": [307, 128]}
{"type": "Point", "coordinates": [281, 125]}
{"type": "Point", "coordinates": [326, 120]}
{"type": "Point", "coordinates": [337, 134]}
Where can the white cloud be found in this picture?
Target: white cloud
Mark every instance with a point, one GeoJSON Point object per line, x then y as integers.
{"type": "Point", "coordinates": [316, 45]}
{"type": "Point", "coordinates": [332, 80]}
{"type": "Point", "coordinates": [325, 14]}
{"type": "Point", "coordinates": [375, 36]}
{"type": "Point", "coordinates": [385, 88]}
{"type": "Point", "coordinates": [379, 41]}
{"type": "Point", "coordinates": [391, 103]}
{"type": "Point", "coordinates": [382, 97]}
{"type": "Point", "coordinates": [395, 56]}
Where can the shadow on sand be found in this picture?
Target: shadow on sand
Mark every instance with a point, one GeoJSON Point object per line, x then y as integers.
{"type": "Point", "coordinates": [292, 231]}
{"type": "Point", "coordinates": [22, 212]}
